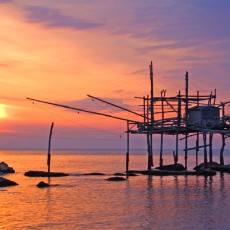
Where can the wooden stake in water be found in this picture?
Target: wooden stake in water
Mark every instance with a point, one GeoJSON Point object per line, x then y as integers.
{"type": "Point", "coordinates": [49, 156]}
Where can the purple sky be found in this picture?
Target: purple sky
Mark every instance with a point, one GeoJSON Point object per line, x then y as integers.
{"type": "Point", "coordinates": [63, 50]}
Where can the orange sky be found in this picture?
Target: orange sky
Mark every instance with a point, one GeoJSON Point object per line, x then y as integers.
{"type": "Point", "coordinates": [61, 52]}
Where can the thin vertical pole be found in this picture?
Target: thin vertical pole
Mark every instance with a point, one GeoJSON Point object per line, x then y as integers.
{"type": "Point", "coordinates": [151, 149]}
{"type": "Point", "coordinates": [150, 160]}
{"type": "Point", "coordinates": [205, 150]}
{"type": "Point", "coordinates": [197, 134]}
{"type": "Point", "coordinates": [186, 151]}
{"type": "Point", "coordinates": [223, 111]}
{"type": "Point", "coordinates": [150, 136]}
{"type": "Point", "coordinates": [162, 124]}
{"type": "Point", "coordinates": [151, 93]}
{"type": "Point", "coordinates": [127, 153]}
{"type": "Point", "coordinates": [186, 101]}
{"type": "Point", "coordinates": [178, 125]}
{"type": "Point", "coordinates": [186, 119]}
{"type": "Point", "coordinates": [149, 152]}
{"type": "Point", "coordinates": [144, 110]}
{"type": "Point", "coordinates": [49, 156]}
{"type": "Point", "coordinates": [214, 102]}
{"type": "Point", "coordinates": [197, 147]}
{"type": "Point", "coordinates": [222, 150]}
{"type": "Point", "coordinates": [210, 147]}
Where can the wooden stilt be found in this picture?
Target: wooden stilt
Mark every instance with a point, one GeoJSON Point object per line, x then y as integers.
{"type": "Point", "coordinates": [176, 154]}
{"type": "Point", "coordinates": [162, 125]}
{"type": "Point", "coordinates": [222, 150]}
{"type": "Point", "coordinates": [178, 126]}
{"type": "Point", "coordinates": [49, 146]}
{"type": "Point", "coordinates": [197, 134]}
{"type": "Point", "coordinates": [127, 153]}
{"type": "Point", "coordinates": [197, 147]}
{"type": "Point", "coordinates": [150, 157]}
{"type": "Point", "coordinates": [205, 150]}
{"type": "Point", "coordinates": [186, 151]}
{"type": "Point", "coordinates": [151, 148]}
{"type": "Point", "coordinates": [210, 147]}
{"type": "Point", "coordinates": [186, 119]}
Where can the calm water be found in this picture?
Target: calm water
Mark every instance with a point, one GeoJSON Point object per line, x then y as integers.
{"type": "Point", "coordinates": [90, 202]}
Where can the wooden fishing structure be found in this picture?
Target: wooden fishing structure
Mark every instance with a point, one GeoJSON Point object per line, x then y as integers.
{"type": "Point", "coordinates": [183, 116]}
{"type": "Point", "coordinates": [187, 116]}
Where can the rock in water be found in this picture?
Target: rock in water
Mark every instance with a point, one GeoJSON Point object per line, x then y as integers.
{"type": "Point", "coordinates": [42, 184]}
{"type": "Point", "coordinates": [44, 174]}
{"type": "Point", "coordinates": [5, 182]}
{"type": "Point", "coordinates": [116, 178]}
{"type": "Point", "coordinates": [173, 167]}
{"type": "Point", "coordinates": [4, 168]}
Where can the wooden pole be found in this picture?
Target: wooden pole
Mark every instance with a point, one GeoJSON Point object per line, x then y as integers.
{"type": "Point", "coordinates": [109, 103]}
{"type": "Point", "coordinates": [150, 136]}
{"type": "Point", "coordinates": [205, 150]}
{"type": "Point", "coordinates": [197, 148]}
{"type": "Point", "coordinates": [151, 93]}
{"type": "Point", "coordinates": [186, 120]}
{"type": "Point", "coordinates": [127, 153]}
{"type": "Point", "coordinates": [81, 110]}
{"type": "Point", "coordinates": [145, 117]}
{"type": "Point", "coordinates": [162, 124]}
{"type": "Point", "coordinates": [178, 126]}
{"type": "Point", "coordinates": [210, 147]}
{"type": "Point", "coordinates": [222, 150]}
{"type": "Point", "coordinates": [197, 134]}
{"type": "Point", "coordinates": [49, 156]}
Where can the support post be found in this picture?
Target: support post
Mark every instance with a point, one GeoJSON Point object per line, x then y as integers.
{"type": "Point", "coordinates": [197, 134]}
{"type": "Point", "coordinates": [49, 146]}
{"type": "Point", "coordinates": [150, 136]}
{"type": "Point", "coordinates": [186, 120]}
{"type": "Point", "coordinates": [178, 126]}
{"type": "Point", "coordinates": [127, 153]}
{"type": "Point", "coordinates": [210, 147]}
{"type": "Point", "coordinates": [205, 150]}
{"type": "Point", "coordinates": [222, 150]}
{"type": "Point", "coordinates": [197, 147]}
{"type": "Point", "coordinates": [186, 151]}
{"type": "Point", "coordinates": [151, 93]}
{"type": "Point", "coordinates": [162, 125]}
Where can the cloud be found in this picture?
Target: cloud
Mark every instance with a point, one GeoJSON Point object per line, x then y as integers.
{"type": "Point", "coordinates": [176, 24]}
{"type": "Point", "coordinates": [11, 99]}
{"type": "Point", "coordinates": [6, 1]}
{"type": "Point", "coordinates": [3, 65]}
{"type": "Point", "coordinates": [54, 18]}
{"type": "Point", "coordinates": [97, 106]}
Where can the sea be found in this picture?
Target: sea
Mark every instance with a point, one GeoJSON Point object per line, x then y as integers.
{"type": "Point", "coordinates": [91, 202]}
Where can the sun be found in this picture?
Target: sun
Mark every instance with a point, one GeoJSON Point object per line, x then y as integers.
{"type": "Point", "coordinates": [3, 113]}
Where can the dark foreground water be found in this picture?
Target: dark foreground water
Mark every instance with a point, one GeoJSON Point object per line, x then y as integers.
{"type": "Point", "coordinates": [91, 202]}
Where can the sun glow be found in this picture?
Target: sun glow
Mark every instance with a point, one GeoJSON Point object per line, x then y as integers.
{"type": "Point", "coordinates": [3, 113]}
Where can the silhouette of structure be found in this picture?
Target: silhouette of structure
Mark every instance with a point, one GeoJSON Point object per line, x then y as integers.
{"type": "Point", "coordinates": [183, 116]}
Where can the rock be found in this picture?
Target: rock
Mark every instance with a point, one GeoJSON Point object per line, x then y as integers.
{"type": "Point", "coordinates": [117, 178]}
{"type": "Point", "coordinates": [44, 174]}
{"type": "Point", "coordinates": [42, 184]}
{"type": "Point", "coordinates": [119, 174]}
{"type": "Point", "coordinates": [4, 168]}
{"type": "Point", "coordinates": [156, 172]}
{"type": "Point", "coordinates": [125, 174]}
{"type": "Point", "coordinates": [206, 172]}
{"type": "Point", "coordinates": [5, 182]}
{"type": "Point", "coordinates": [131, 174]}
{"type": "Point", "coordinates": [94, 174]}
{"type": "Point", "coordinates": [172, 167]}
{"type": "Point", "coordinates": [201, 166]}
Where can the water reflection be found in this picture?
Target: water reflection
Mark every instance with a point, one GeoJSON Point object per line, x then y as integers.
{"type": "Point", "coordinates": [188, 200]}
